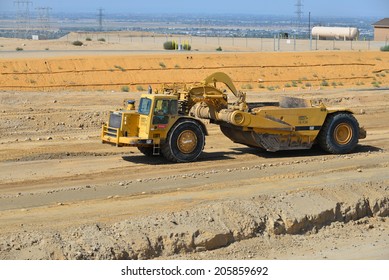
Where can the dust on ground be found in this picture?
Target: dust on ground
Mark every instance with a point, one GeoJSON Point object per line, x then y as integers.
{"type": "Point", "coordinates": [64, 195]}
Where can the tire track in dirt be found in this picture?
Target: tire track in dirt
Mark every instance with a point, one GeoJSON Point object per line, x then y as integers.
{"type": "Point", "coordinates": [44, 189]}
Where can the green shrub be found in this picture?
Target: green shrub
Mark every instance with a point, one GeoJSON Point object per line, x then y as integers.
{"type": "Point", "coordinates": [186, 47]}
{"type": "Point", "coordinates": [162, 65]}
{"type": "Point", "coordinates": [169, 45]}
{"type": "Point", "coordinates": [125, 89]}
{"type": "Point", "coordinates": [101, 40]}
{"type": "Point", "coordinates": [120, 68]}
{"type": "Point", "coordinates": [88, 39]}
{"type": "Point", "coordinates": [19, 49]}
{"type": "Point", "coordinates": [247, 86]}
{"type": "Point", "coordinates": [385, 48]}
{"type": "Point", "coordinates": [77, 43]}
{"type": "Point", "coordinates": [324, 83]}
{"type": "Point", "coordinates": [140, 88]}
{"type": "Point", "coordinates": [219, 49]}
{"type": "Point", "coordinates": [173, 45]}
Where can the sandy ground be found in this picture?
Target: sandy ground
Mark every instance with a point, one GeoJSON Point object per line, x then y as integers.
{"type": "Point", "coordinates": [126, 41]}
{"type": "Point", "coordinates": [64, 195]}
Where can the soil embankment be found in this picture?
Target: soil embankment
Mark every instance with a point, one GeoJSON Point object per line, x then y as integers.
{"type": "Point", "coordinates": [250, 71]}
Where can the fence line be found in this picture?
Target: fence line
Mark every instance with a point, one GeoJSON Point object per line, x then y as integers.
{"type": "Point", "coordinates": [229, 43]}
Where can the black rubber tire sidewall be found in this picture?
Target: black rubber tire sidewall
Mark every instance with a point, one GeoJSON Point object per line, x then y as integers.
{"type": "Point", "coordinates": [147, 151]}
{"type": "Point", "coordinates": [326, 136]}
{"type": "Point", "coordinates": [170, 149]}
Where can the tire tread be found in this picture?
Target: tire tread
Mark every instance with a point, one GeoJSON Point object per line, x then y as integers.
{"type": "Point", "coordinates": [166, 149]}
{"type": "Point", "coordinates": [325, 139]}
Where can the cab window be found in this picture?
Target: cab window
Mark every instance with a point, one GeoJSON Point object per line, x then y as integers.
{"type": "Point", "coordinates": [163, 109]}
{"type": "Point", "coordinates": [173, 107]}
{"type": "Point", "coordinates": [144, 106]}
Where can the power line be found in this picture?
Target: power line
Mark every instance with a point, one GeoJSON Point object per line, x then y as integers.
{"type": "Point", "coordinates": [23, 19]}
{"type": "Point", "coordinates": [299, 12]}
{"type": "Point", "coordinates": [44, 18]}
{"type": "Point", "coordinates": [100, 15]}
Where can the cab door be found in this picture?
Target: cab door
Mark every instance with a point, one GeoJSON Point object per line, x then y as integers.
{"type": "Point", "coordinates": [165, 110]}
{"type": "Point", "coordinates": [144, 111]}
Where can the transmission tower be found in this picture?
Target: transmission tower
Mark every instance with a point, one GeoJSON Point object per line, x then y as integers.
{"type": "Point", "coordinates": [23, 19]}
{"type": "Point", "coordinates": [44, 18]}
{"type": "Point", "coordinates": [299, 13]}
{"type": "Point", "coordinates": [100, 18]}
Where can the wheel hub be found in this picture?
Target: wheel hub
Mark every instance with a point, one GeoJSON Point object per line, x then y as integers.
{"type": "Point", "coordinates": [187, 141]}
{"type": "Point", "coordinates": [343, 133]}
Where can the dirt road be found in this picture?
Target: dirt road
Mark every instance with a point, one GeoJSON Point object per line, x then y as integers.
{"type": "Point", "coordinates": [63, 194]}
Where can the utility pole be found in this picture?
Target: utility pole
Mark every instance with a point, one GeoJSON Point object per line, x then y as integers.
{"type": "Point", "coordinates": [299, 13]}
{"type": "Point", "coordinates": [310, 32]}
{"type": "Point", "coordinates": [100, 15]}
{"type": "Point", "coordinates": [23, 16]}
{"type": "Point", "coordinates": [44, 18]}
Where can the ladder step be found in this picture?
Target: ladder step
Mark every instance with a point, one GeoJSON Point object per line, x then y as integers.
{"type": "Point", "coordinates": [156, 150]}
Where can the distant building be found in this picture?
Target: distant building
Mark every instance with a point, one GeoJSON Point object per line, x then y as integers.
{"type": "Point", "coordinates": [381, 30]}
{"type": "Point", "coordinates": [337, 33]}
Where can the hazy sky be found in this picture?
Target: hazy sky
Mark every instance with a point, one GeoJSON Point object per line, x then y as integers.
{"type": "Point", "coordinates": [375, 8]}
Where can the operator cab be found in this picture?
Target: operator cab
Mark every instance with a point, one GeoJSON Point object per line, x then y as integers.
{"type": "Point", "coordinates": [163, 108]}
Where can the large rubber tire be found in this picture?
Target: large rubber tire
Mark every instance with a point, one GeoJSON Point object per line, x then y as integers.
{"type": "Point", "coordinates": [339, 134]}
{"type": "Point", "coordinates": [185, 142]}
{"type": "Point", "coordinates": [147, 151]}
